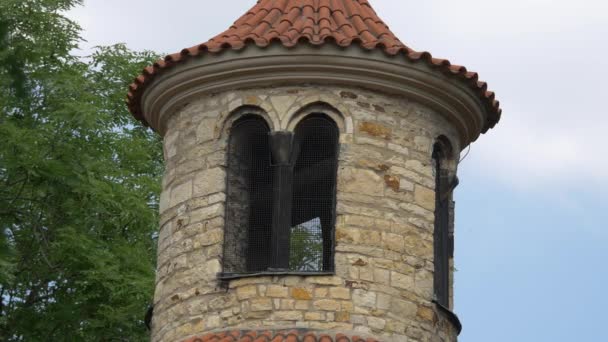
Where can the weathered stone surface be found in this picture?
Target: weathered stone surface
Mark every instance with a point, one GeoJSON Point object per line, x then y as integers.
{"type": "Point", "coordinates": [246, 292]}
{"type": "Point", "coordinates": [326, 305]}
{"type": "Point", "coordinates": [398, 148]}
{"type": "Point", "coordinates": [282, 103]}
{"type": "Point", "coordinates": [382, 276]}
{"type": "Point", "coordinates": [288, 315]}
{"type": "Point", "coordinates": [402, 281]}
{"type": "Point", "coordinates": [425, 197]}
{"type": "Point", "coordinates": [321, 292]}
{"type": "Point", "coordinates": [393, 242]}
{"type": "Point", "coordinates": [206, 130]}
{"type": "Point", "coordinates": [364, 298]}
{"type": "Point", "coordinates": [180, 193]}
{"type": "Point", "coordinates": [427, 313]}
{"type": "Point", "coordinates": [324, 280]}
{"type": "Point", "coordinates": [403, 308]}
{"type": "Point", "coordinates": [261, 304]}
{"type": "Point", "coordinates": [277, 291]}
{"type": "Point", "coordinates": [301, 293]}
{"type": "Point", "coordinates": [375, 130]}
{"type": "Point", "coordinates": [385, 210]}
{"type": "Point", "coordinates": [342, 316]}
{"type": "Point", "coordinates": [360, 181]}
{"type": "Point", "coordinates": [376, 323]}
{"type": "Point", "coordinates": [314, 316]}
{"type": "Point", "coordinates": [423, 144]}
{"type": "Point", "coordinates": [209, 181]}
{"type": "Point", "coordinates": [170, 144]}
{"type": "Point", "coordinates": [165, 198]}
{"type": "Point", "coordinates": [392, 182]}
{"type": "Point", "coordinates": [339, 293]}
{"type": "Point", "coordinates": [207, 213]}
{"type": "Point", "coordinates": [405, 185]}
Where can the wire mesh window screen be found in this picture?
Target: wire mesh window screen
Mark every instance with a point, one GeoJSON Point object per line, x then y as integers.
{"type": "Point", "coordinates": [442, 228]}
{"type": "Point", "coordinates": [314, 191]}
{"type": "Point", "coordinates": [248, 225]}
{"type": "Point", "coordinates": [300, 238]}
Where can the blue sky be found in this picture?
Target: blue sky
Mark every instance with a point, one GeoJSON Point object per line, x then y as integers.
{"type": "Point", "coordinates": [532, 218]}
{"type": "Point", "coordinates": [531, 266]}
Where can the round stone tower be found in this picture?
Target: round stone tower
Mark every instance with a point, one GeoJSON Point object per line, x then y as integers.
{"type": "Point", "coordinates": [310, 162]}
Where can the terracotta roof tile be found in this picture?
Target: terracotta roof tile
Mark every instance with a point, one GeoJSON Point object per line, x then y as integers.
{"type": "Point", "coordinates": [276, 336]}
{"type": "Point", "coordinates": [343, 22]}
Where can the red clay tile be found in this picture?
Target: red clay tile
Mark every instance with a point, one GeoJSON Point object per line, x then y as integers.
{"type": "Point", "coordinates": [290, 22]}
{"type": "Point", "coordinates": [302, 335]}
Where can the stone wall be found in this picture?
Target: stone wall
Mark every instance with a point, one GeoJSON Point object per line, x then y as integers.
{"type": "Point", "coordinates": [383, 285]}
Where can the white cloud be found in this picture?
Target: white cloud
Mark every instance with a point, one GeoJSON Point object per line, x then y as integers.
{"type": "Point", "coordinates": [527, 156]}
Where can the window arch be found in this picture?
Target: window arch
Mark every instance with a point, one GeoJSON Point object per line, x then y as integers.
{"type": "Point", "coordinates": [281, 193]}
{"type": "Point", "coordinates": [314, 194]}
{"type": "Point", "coordinates": [248, 197]}
{"type": "Point", "coordinates": [443, 232]}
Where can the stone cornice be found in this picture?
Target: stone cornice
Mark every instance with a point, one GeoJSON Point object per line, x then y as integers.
{"type": "Point", "coordinates": [306, 64]}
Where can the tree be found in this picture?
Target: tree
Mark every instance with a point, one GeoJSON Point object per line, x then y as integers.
{"type": "Point", "coordinates": [306, 247]}
{"type": "Point", "coordinates": [79, 184]}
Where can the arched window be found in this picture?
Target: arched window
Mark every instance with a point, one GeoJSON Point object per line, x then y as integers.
{"type": "Point", "coordinates": [314, 195]}
{"type": "Point", "coordinates": [249, 193]}
{"type": "Point", "coordinates": [443, 234]}
{"type": "Point", "coordinates": [281, 194]}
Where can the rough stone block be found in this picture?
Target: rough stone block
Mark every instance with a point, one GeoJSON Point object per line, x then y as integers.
{"type": "Point", "coordinates": [427, 314]}
{"type": "Point", "coordinates": [422, 144]}
{"type": "Point", "coordinates": [314, 316]}
{"type": "Point", "coordinates": [375, 130]}
{"type": "Point", "coordinates": [325, 280]}
{"type": "Point", "coordinates": [376, 323]}
{"type": "Point", "coordinates": [425, 197]}
{"type": "Point", "coordinates": [364, 298]}
{"type": "Point", "coordinates": [165, 200]}
{"type": "Point", "coordinates": [301, 293]}
{"type": "Point", "coordinates": [402, 281]}
{"type": "Point", "coordinates": [288, 304]}
{"type": "Point", "coordinates": [277, 291]}
{"type": "Point", "coordinates": [326, 305]}
{"type": "Point", "coordinates": [207, 213]}
{"type": "Point", "coordinates": [339, 293]}
{"type": "Point", "coordinates": [403, 308]}
{"type": "Point", "coordinates": [180, 193]}
{"type": "Point", "coordinates": [360, 181]}
{"type": "Point", "coordinates": [288, 315]}
{"type": "Point", "coordinates": [381, 276]}
{"type": "Point", "coordinates": [246, 292]}
{"type": "Point", "coordinates": [261, 304]}
{"type": "Point", "coordinates": [321, 292]}
{"type": "Point", "coordinates": [209, 181]}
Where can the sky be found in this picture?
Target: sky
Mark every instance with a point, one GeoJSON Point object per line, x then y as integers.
{"type": "Point", "coordinates": [531, 212]}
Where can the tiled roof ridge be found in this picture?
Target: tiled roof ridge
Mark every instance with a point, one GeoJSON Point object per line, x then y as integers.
{"type": "Point", "coordinates": [316, 22]}
{"type": "Point", "coordinates": [276, 336]}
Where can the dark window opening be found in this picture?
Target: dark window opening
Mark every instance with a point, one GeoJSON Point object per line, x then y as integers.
{"type": "Point", "coordinates": [314, 195]}
{"type": "Point", "coordinates": [442, 235]}
{"type": "Point", "coordinates": [281, 189]}
{"type": "Point", "coordinates": [249, 197]}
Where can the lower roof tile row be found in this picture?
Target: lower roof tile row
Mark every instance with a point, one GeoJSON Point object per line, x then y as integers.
{"type": "Point", "coordinates": [276, 336]}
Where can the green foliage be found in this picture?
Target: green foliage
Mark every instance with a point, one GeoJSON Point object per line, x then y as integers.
{"type": "Point", "coordinates": [79, 184]}
{"type": "Point", "coordinates": [306, 247]}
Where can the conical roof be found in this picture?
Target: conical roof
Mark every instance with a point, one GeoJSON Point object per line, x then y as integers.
{"type": "Point", "coordinates": [316, 22]}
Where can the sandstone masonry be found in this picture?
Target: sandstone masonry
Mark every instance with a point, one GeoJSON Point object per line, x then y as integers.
{"type": "Point", "coordinates": [383, 282]}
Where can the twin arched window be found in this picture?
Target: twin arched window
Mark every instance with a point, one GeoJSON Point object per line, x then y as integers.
{"type": "Point", "coordinates": [281, 194]}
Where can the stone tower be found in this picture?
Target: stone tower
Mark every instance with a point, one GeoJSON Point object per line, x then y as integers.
{"type": "Point", "coordinates": [310, 162]}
